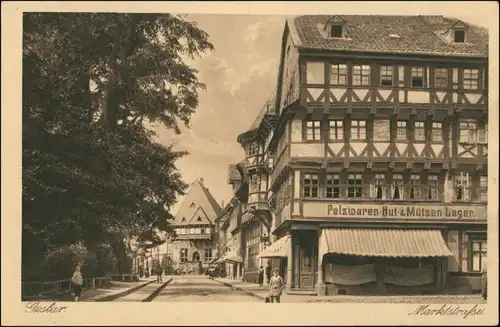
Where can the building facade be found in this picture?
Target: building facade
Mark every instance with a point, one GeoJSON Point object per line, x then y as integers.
{"type": "Point", "coordinates": [195, 245]}
{"type": "Point", "coordinates": [370, 167]}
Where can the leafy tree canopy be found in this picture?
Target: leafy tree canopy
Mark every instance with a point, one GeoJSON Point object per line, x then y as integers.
{"type": "Point", "coordinates": [91, 170]}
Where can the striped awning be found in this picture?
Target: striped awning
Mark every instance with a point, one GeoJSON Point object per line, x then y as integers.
{"type": "Point", "coordinates": [278, 249]}
{"type": "Point", "coordinates": [232, 256]}
{"type": "Point", "coordinates": [378, 242]}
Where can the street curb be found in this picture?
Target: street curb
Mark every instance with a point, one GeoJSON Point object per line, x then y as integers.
{"type": "Point", "coordinates": [113, 297]}
{"type": "Point", "coordinates": [157, 291]}
{"type": "Point", "coordinates": [242, 290]}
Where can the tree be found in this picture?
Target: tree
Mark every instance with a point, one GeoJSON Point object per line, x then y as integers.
{"type": "Point", "coordinates": [91, 170]}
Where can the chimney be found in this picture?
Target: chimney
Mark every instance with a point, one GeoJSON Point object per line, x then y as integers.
{"type": "Point", "coordinates": [201, 180]}
{"type": "Point", "coordinates": [222, 204]}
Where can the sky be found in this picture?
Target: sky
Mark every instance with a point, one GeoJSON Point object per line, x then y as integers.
{"type": "Point", "coordinates": [240, 75]}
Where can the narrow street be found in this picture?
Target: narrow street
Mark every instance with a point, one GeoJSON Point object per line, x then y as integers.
{"type": "Point", "coordinates": [189, 288]}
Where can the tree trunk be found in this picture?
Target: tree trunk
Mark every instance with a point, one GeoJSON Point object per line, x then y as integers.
{"type": "Point", "coordinates": [120, 252]}
{"type": "Point", "coordinates": [90, 264]}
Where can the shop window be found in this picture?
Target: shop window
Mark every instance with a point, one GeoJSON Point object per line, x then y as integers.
{"type": "Point", "coordinates": [483, 188]}
{"type": "Point", "coordinates": [441, 78]}
{"type": "Point", "coordinates": [313, 130]}
{"type": "Point", "coordinates": [468, 132]}
{"type": "Point", "coordinates": [355, 186]}
{"type": "Point", "coordinates": [437, 132]}
{"type": "Point", "coordinates": [401, 133]}
{"type": "Point", "coordinates": [413, 263]}
{"type": "Point", "coordinates": [358, 130]}
{"type": "Point", "coordinates": [361, 75]}
{"type": "Point", "coordinates": [415, 187]}
{"type": "Point", "coordinates": [332, 186]}
{"type": "Point", "coordinates": [386, 75]}
{"type": "Point", "coordinates": [471, 79]}
{"type": "Point", "coordinates": [336, 130]}
{"type": "Point", "coordinates": [397, 187]}
{"type": "Point", "coordinates": [184, 255]}
{"type": "Point", "coordinates": [377, 188]}
{"type": "Point", "coordinates": [462, 187]}
{"type": "Point", "coordinates": [418, 77]}
{"type": "Point", "coordinates": [338, 74]}
{"type": "Point", "coordinates": [419, 131]}
{"type": "Point", "coordinates": [310, 186]}
{"type": "Point", "coordinates": [433, 188]}
{"type": "Point", "coordinates": [477, 259]}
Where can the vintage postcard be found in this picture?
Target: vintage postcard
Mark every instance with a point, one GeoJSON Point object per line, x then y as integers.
{"type": "Point", "coordinates": [250, 163]}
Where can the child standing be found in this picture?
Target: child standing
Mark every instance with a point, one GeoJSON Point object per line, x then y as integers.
{"type": "Point", "coordinates": [276, 286]}
{"type": "Point", "coordinates": [77, 281]}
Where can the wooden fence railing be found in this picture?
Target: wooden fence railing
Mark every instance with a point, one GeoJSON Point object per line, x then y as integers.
{"type": "Point", "coordinates": [31, 290]}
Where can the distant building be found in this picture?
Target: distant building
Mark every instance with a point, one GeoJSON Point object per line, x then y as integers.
{"type": "Point", "coordinates": [370, 166]}
{"type": "Point", "coordinates": [195, 244]}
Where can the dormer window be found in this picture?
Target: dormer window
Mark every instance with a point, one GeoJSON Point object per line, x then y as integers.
{"type": "Point", "coordinates": [192, 204]}
{"type": "Point", "coordinates": [183, 219]}
{"type": "Point", "coordinates": [336, 30]}
{"type": "Point", "coordinates": [334, 27]}
{"type": "Point", "coordinates": [459, 36]}
{"type": "Point", "coordinates": [199, 219]}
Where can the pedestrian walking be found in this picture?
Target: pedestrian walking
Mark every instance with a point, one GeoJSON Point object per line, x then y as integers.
{"type": "Point", "coordinates": [269, 268]}
{"type": "Point", "coordinates": [159, 273]}
{"type": "Point", "coordinates": [77, 283]}
{"type": "Point", "coordinates": [276, 286]}
{"type": "Point", "coordinates": [261, 276]}
{"type": "Point", "coordinates": [484, 283]}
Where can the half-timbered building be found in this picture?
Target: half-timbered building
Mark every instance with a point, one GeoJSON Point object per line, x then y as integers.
{"type": "Point", "coordinates": [195, 244]}
{"type": "Point", "coordinates": [370, 168]}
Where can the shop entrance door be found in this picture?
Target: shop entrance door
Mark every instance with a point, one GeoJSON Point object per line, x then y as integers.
{"type": "Point", "coordinates": [305, 256]}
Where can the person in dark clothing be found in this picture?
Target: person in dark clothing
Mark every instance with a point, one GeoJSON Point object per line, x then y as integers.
{"type": "Point", "coordinates": [261, 276]}
{"type": "Point", "coordinates": [269, 268]}
{"type": "Point", "coordinates": [159, 273]}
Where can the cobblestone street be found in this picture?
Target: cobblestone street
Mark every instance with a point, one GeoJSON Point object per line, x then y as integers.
{"type": "Point", "coordinates": [200, 289]}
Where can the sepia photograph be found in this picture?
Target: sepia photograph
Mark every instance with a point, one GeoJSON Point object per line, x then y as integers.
{"type": "Point", "coordinates": [308, 159]}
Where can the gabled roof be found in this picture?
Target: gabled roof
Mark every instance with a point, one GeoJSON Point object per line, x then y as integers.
{"type": "Point", "coordinates": [198, 195]}
{"type": "Point", "coordinates": [418, 35]}
{"type": "Point", "coordinates": [200, 218]}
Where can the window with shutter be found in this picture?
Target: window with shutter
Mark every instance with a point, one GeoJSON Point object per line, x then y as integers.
{"type": "Point", "coordinates": [377, 187]}
{"type": "Point", "coordinates": [462, 186]}
{"type": "Point", "coordinates": [433, 187]}
{"type": "Point", "coordinates": [397, 187]}
{"type": "Point", "coordinates": [415, 187]}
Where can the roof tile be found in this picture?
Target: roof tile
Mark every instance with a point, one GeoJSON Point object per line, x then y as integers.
{"type": "Point", "coordinates": [418, 35]}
